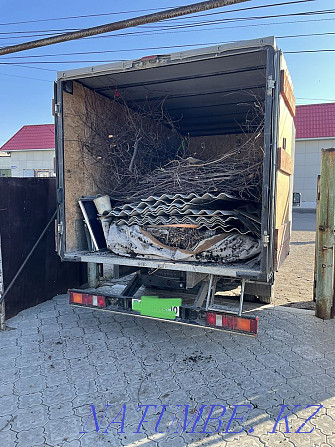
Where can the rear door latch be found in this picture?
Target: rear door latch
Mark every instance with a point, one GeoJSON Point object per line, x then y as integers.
{"type": "Point", "coordinates": [266, 239]}
{"type": "Point", "coordinates": [271, 85]}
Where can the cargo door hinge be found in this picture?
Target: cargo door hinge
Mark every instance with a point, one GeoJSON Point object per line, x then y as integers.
{"type": "Point", "coordinates": [55, 108]}
{"type": "Point", "coordinates": [60, 228]}
{"type": "Point", "coordinates": [271, 85]}
{"type": "Point", "coordinates": [266, 239]}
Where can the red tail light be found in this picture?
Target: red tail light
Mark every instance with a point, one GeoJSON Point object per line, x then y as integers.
{"type": "Point", "coordinates": [86, 299]}
{"type": "Point", "coordinates": [233, 322]}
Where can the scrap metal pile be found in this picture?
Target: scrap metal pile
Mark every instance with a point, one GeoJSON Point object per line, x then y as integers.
{"type": "Point", "coordinates": [194, 227]}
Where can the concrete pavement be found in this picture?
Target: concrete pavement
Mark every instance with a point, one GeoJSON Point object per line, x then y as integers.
{"type": "Point", "coordinates": [57, 361]}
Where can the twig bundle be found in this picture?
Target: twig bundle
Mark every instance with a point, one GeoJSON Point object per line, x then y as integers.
{"type": "Point", "coordinates": [141, 153]}
{"type": "Point", "coordinates": [237, 178]}
{"type": "Point", "coordinates": [125, 145]}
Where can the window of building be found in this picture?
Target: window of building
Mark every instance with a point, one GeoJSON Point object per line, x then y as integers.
{"type": "Point", "coordinates": [5, 172]}
{"type": "Point", "coordinates": [28, 173]}
{"type": "Point", "coordinates": [43, 173]}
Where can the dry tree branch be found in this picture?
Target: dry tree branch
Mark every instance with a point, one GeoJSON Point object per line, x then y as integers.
{"type": "Point", "coordinates": [141, 153]}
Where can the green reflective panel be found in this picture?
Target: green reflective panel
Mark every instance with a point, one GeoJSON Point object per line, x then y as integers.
{"type": "Point", "coordinates": [153, 306]}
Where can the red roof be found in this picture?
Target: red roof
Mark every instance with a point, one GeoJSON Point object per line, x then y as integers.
{"type": "Point", "coordinates": [39, 136]}
{"type": "Point", "coordinates": [315, 121]}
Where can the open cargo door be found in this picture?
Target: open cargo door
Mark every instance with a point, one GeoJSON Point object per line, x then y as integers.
{"type": "Point", "coordinates": [57, 113]}
{"type": "Point", "coordinates": [285, 167]}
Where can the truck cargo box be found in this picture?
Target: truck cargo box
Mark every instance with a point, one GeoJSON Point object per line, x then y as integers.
{"type": "Point", "coordinates": [234, 99]}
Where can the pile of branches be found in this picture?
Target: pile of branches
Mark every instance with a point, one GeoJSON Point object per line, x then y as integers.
{"type": "Point", "coordinates": [126, 145]}
{"type": "Point", "coordinates": [141, 153]}
{"type": "Point", "coordinates": [241, 179]}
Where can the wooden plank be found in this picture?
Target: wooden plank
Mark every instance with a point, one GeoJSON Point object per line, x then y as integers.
{"type": "Point", "coordinates": [286, 91]}
{"type": "Point", "coordinates": [283, 198]}
{"type": "Point", "coordinates": [316, 239]}
{"type": "Point", "coordinates": [282, 242]}
{"type": "Point", "coordinates": [282, 234]}
{"type": "Point", "coordinates": [285, 162]}
{"type": "Point", "coordinates": [214, 146]}
{"type": "Point", "coordinates": [326, 236]}
{"type": "Point", "coordinates": [280, 254]}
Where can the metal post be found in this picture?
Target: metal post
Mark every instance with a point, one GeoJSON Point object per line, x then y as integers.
{"type": "Point", "coordinates": [2, 315]}
{"type": "Point", "coordinates": [241, 297]}
{"type": "Point", "coordinates": [93, 274]}
{"type": "Point", "coordinates": [325, 236]}
{"type": "Point", "coordinates": [210, 291]}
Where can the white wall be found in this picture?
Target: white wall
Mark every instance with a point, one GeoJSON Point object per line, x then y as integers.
{"type": "Point", "coordinates": [31, 160]}
{"type": "Point", "coordinates": [307, 168]}
{"type": "Point", "coordinates": [5, 162]}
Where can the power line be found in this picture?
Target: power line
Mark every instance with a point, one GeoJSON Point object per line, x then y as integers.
{"type": "Point", "coordinates": [211, 28]}
{"type": "Point", "coordinates": [317, 99]}
{"type": "Point", "coordinates": [329, 50]}
{"type": "Point", "coordinates": [212, 13]}
{"type": "Point", "coordinates": [121, 24]}
{"type": "Point", "coordinates": [145, 33]}
{"type": "Point", "coordinates": [90, 61]}
{"type": "Point", "coordinates": [156, 48]}
{"type": "Point", "coordinates": [38, 31]}
{"type": "Point", "coordinates": [304, 35]}
{"type": "Point", "coordinates": [30, 36]}
{"type": "Point", "coordinates": [183, 25]}
{"type": "Point", "coordinates": [241, 19]}
{"type": "Point", "coordinates": [33, 68]}
{"type": "Point", "coordinates": [148, 10]}
{"type": "Point", "coordinates": [24, 77]}
{"type": "Point", "coordinates": [84, 16]}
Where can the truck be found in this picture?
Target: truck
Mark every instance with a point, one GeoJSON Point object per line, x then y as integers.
{"type": "Point", "coordinates": [231, 104]}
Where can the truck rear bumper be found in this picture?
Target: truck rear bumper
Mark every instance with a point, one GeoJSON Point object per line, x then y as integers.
{"type": "Point", "coordinates": [229, 271]}
{"type": "Point", "coordinates": [188, 314]}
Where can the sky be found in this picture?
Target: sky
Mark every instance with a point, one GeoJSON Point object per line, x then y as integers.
{"type": "Point", "coordinates": [302, 29]}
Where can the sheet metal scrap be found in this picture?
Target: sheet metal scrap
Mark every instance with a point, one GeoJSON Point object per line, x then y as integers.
{"type": "Point", "coordinates": [209, 211]}
{"type": "Point", "coordinates": [227, 225]}
{"type": "Point", "coordinates": [168, 202]}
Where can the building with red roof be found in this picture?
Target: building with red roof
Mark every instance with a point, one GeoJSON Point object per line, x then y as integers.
{"type": "Point", "coordinates": [315, 130]}
{"type": "Point", "coordinates": [30, 152]}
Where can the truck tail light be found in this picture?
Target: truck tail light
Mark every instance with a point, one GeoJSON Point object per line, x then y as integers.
{"type": "Point", "coordinates": [233, 322]}
{"type": "Point", "coordinates": [86, 299]}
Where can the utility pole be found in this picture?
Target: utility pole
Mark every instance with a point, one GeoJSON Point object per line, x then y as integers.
{"type": "Point", "coordinates": [122, 24]}
{"type": "Point", "coordinates": [324, 265]}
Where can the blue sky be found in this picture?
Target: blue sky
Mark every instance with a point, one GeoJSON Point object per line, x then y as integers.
{"type": "Point", "coordinates": [26, 88]}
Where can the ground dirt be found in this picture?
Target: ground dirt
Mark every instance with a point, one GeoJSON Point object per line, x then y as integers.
{"type": "Point", "coordinates": [294, 281]}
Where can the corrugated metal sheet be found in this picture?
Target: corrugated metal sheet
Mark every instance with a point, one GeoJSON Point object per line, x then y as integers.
{"type": "Point", "coordinates": [210, 211]}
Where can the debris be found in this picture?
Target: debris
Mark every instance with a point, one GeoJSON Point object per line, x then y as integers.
{"type": "Point", "coordinates": [134, 241]}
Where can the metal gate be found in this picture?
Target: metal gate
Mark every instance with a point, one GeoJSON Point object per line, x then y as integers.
{"type": "Point", "coordinates": [26, 205]}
